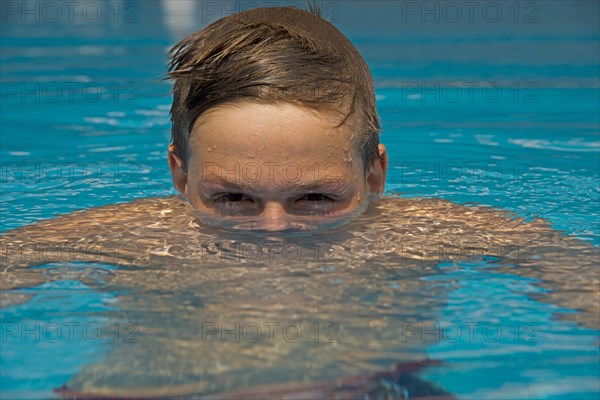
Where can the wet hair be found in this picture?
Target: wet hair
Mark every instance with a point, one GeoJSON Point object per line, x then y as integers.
{"type": "Point", "coordinates": [271, 55]}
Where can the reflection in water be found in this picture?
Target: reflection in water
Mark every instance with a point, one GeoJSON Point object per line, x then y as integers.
{"type": "Point", "coordinates": [302, 223]}
{"type": "Point", "coordinates": [217, 310]}
{"type": "Point", "coordinates": [227, 326]}
{"type": "Point", "coordinates": [179, 17]}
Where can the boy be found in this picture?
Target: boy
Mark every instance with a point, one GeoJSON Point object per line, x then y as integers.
{"type": "Point", "coordinates": [274, 121]}
{"type": "Point", "coordinates": [274, 129]}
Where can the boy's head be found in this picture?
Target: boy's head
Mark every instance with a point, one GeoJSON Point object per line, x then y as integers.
{"type": "Point", "coordinates": [274, 120]}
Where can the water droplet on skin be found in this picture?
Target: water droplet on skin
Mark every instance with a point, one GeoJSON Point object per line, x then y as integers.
{"type": "Point", "coordinates": [347, 155]}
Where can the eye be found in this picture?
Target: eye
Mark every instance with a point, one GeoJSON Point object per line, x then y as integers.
{"type": "Point", "coordinates": [315, 203]}
{"type": "Point", "coordinates": [230, 197]}
{"type": "Point", "coordinates": [233, 203]}
{"type": "Point", "coordinates": [316, 197]}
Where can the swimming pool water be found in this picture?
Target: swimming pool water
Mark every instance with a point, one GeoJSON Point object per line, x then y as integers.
{"type": "Point", "coordinates": [504, 114]}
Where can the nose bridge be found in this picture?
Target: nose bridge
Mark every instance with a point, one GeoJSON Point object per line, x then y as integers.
{"type": "Point", "coordinates": [274, 216]}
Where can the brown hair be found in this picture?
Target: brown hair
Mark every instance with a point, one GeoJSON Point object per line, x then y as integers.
{"type": "Point", "coordinates": [269, 55]}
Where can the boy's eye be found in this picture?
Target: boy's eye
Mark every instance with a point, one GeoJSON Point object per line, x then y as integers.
{"type": "Point", "coordinates": [233, 202]}
{"type": "Point", "coordinates": [231, 197]}
{"type": "Point", "coordinates": [316, 197]}
{"type": "Point", "coordinates": [315, 203]}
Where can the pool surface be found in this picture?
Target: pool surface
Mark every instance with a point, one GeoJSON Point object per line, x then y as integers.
{"type": "Point", "coordinates": [498, 108]}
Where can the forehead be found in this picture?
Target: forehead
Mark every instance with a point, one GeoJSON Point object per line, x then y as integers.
{"type": "Point", "coordinates": [271, 133]}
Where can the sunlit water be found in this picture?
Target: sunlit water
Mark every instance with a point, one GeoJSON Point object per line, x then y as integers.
{"type": "Point", "coordinates": [190, 325]}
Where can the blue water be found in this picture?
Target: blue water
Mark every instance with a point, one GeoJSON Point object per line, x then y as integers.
{"type": "Point", "coordinates": [503, 114]}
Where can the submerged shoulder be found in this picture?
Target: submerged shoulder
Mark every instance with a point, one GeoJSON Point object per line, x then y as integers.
{"type": "Point", "coordinates": [108, 214]}
{"type": "Point", "coordinates": [98, 234]}
{"type": "Point", "coordinates": [109, 222]}
{"type": "Point", "coordinates": [470, 216]}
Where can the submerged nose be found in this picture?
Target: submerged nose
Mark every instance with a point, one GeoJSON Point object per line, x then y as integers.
{"type": "Point", "coordinates": [274, 218]}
